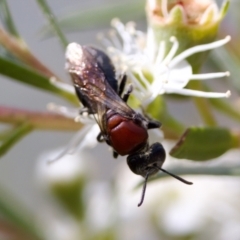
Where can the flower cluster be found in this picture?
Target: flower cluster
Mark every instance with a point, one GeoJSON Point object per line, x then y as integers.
{"type": "Point", "coordinates": [157, 73]}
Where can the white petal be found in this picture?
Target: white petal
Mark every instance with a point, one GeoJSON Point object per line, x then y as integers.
{"type": "Point", "coordinates": [179, 76]}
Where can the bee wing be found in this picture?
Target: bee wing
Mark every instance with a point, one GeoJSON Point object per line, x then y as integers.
{"type": "Point", "coordinates": [111, 100]}
{"type": "Point", "coordinates": [90, 79]}
{"type": "Point", "coordinates": [100, 118]}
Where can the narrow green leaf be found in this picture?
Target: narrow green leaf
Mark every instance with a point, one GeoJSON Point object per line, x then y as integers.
{"type": "Point", "coordinates": [26, 75]}
{"type": "Point", "coordinates": [53, 22]}
{"type": "Point", "coordinates": [13, 136]}
{"type": "Point", "coordinates": [100, 16]}
{"type": "Point", "coordinates": [204, 143]}
{"type": "Point", "coordinates": [18, 214]}
{"type": "Point", "coordinates": [7, 19]}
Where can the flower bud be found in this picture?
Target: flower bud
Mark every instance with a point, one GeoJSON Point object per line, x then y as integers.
{"type": "Point", "coordinates": [192, 22]}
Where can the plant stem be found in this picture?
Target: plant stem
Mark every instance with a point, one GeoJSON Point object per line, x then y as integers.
{"type": "Point", "coordinates": [7, 19]}
{"type": "Point", "coordinates": [18, 48]}
{"type": "Point", "coordinates": [52, 20]}
{"type": "Point", "coordinates": [39, 120]}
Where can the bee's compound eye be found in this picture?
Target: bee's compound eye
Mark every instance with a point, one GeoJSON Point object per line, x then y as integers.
{"type": "Point", "coordinates": [133, 162]}
{"type": "Point", "coordinates": [157, 154]}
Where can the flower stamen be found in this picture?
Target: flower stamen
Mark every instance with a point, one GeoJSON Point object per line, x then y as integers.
{"type": "Point", "coordinates": [115, 39]}
{"type": "Point", "coordinates": [200, 48]}
{"type": "Point", "coordinates": [143, 79]}
{"type": "Point", "coordinates": [166, 73]}
{"type": "Point", "coordinates": [195, 93]}
{"type": "Point", "coordinates": [73, 145]}
{"type": "Point", "coordinates": [207, 76]}
{"type": "Point", "coordinates": [172, 51]}
{"type": "Point", "coordinates": [136, 82]}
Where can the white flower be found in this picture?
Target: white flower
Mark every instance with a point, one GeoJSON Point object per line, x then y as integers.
{"type": "Point", "coordinates": [130, 52]}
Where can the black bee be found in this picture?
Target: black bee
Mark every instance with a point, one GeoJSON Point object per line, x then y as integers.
{"type": "Point", "coordinates": [125, 130]}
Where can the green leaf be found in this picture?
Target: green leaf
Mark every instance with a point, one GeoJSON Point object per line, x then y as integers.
{"type": "Point", "coordinates": [7, 18]}
{"type": "Point", "coordinates": [11, 137]}
{"type": "Point", "coordinates": [100, 16]}
{"type": "Point", "coordinates": [204, 143]}
{"type": "Point", "coordinates": [53, 22]}
{"type": "Point", "coordinates": [25, 75]}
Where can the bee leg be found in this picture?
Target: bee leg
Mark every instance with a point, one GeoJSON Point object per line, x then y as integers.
{"type": "Point", "coordinates": [100, 137]}
{"type": "Point", "coordinates": [122, 85]}
{"type": "Point", "coordinates": [153, 124]}
{"type": "Point", "coordinates": [115, 154]}
{"type": "Point", "coordinates": [127, 94]}
{"type": "Point", "coordinates": [121, 89]}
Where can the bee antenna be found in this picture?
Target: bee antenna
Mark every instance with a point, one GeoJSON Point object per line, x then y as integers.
{"type": "Point", "coordinates": [177, 177]}
{"type": "Point", "coordinates": [143, 190]}
{"type": "Point", "coordinates": [163, 170]}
